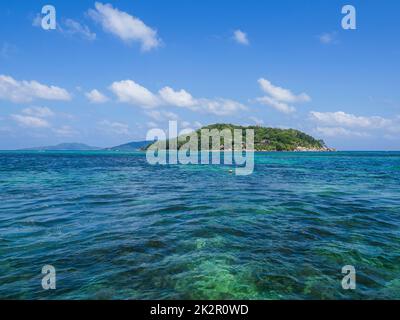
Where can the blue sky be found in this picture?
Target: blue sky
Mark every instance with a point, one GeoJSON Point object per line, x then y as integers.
{"type": "Point", "coordinates": [115, 69]}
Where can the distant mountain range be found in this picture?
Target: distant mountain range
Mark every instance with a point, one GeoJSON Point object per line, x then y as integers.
{"type": "Point", "coordinates": [66, 147]}
{"type": "Point", "coordinates": [132, 146]}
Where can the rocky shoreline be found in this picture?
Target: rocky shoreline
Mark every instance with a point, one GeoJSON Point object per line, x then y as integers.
{"type": "Point", "coordinates": [302, 149]}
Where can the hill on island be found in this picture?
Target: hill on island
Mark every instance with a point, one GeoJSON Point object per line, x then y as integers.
{"type": "Point", "coordinates": [269, 139]}
{"type": "Point", "coordinates": [65, 147]}
{"type": "Point", "coordinates": [131, 146]}
{"type": "Point", "coordinates": [128, 147]}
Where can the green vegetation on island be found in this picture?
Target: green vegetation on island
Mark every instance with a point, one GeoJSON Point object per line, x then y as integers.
{"type": "Point", "coordinates": [265, 139]}
{"type": "Point", "coordinates": [130, 147]}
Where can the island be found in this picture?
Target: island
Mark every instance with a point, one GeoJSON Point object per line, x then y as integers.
{"type": "Point", "coordinates": [265, 139]}
{"type": "Point", "coordinates": [130, 147]}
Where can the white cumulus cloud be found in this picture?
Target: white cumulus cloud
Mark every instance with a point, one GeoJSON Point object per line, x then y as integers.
{"type": "Point", "coordinates": [40, 112]}
{"type": "Point", "coordinates": [240, 37]}
{"type": "Point", "coordinates": [30, 121]}
{"type": "Point", "coordinates": [125, 26]}
{"type": "Point", "coordinates": [217, 106]}
{"type": "Point", "coordinates": [341, 118]}
{"type": "Point", "coordinates": [221, 107]}
{"type": "Point", "coordinates": [95, 96]}
{"type": "Point", "coordinates": [26, 91]}
{"type": "Point", "coordinates": [281, 94]}
{"type": "Point", "coordinates": [72, 27]}
{"type": "Point", "coordinates": [339, 131]}
{"type": "Point", "coordinates": [129, 91]}
{"type": "Point", "coordinates": [177, 98]}
{"type": "Point", "coordinates": [280, 98]}
{"type": "Point", "coordinates": [277, 105]}
{"type": "Point", "coordinates": [327, 38]}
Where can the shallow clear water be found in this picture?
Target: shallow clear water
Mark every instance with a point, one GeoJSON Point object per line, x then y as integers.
{"type": "Point", "coordinates": [115, 227]}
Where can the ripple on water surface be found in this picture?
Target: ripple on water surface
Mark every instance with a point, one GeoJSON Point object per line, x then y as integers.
{"type": "Point", "coordinates": [117, 228]}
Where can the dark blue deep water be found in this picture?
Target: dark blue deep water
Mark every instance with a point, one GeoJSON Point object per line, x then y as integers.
{"type": "Point", "coordinates": [115, 227]}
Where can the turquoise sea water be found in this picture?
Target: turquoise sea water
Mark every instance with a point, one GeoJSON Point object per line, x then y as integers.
{"type": "Point", "coordinates": [115, 227]}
